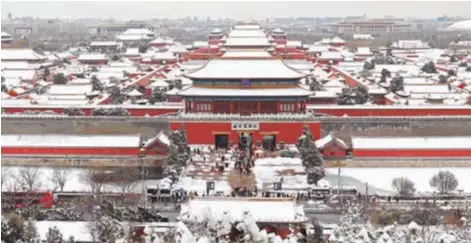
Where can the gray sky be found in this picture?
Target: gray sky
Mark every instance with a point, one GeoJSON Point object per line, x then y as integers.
{"type": "Point", "coordinates": [239, 10]}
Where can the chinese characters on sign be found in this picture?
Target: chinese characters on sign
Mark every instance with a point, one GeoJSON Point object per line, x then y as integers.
{"type": "Point", "coordinates": [245, 126]}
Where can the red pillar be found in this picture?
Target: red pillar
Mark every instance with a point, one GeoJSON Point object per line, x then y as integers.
{"type": "Point", "coordinates": [296, 106]}
{"type": "Point", "coordinates": [231, 107]}
{"type": "Point", "coordinates": [277, 107]}
{"type": "Point", "coordinates": [259, 107]}
{"type": "Point", "coordinates": [212, 106]}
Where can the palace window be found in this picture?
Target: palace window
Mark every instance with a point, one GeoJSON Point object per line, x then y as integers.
{"type": "Point", "coordinates": [203, 107]}
{"type": "Point", "coordinates": [287, 107]}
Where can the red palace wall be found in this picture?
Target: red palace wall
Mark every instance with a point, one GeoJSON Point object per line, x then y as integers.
{"type": "Point", "coordinates": [203, 132]}
{"type": "Point", "coordinates": [400, 111]}
{"type": "Point", "coordinates": [411, 153]}
{"type": "Point", "coordinates": [70, 151]}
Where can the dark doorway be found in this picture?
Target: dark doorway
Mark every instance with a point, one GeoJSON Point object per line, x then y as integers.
{"type": "Point", "coordinates": [269, 142]}
{"type": "Point", "coordinates": [222, 141]}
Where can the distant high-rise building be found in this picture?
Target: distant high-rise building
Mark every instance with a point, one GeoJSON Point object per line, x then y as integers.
{"type": "Point", "coordinates": [370, 26]}
{"type": "Point", "coordinates": [10, 16]}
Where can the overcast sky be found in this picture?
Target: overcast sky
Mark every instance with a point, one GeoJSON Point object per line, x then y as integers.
{"type": "Point", "coordinates": [239, 10]}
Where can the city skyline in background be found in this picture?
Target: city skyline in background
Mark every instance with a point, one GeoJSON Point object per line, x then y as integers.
{"type": "Point", "coordinates": [234, 10]}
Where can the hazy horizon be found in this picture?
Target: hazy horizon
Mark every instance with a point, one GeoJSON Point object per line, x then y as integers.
{"type": "Point", "coordinates": [235, 10]}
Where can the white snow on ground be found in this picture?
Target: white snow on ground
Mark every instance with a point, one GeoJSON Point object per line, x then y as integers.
{"type": "Point", "coordinates": [74, 183]}
{"type": "Point", "coordinates": [267, 171]}
{"type": "Point", "coordinates": [199, 185]}
{"type": "Point", "coordinates": [381, 178]}
{"type": "Point", "coordinates": [286, 210]}
{"type": "Point", "coordinates": [79, 230]}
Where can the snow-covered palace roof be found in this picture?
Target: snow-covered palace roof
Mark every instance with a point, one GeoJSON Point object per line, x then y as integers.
{"type": "Point", "coordinates": [66, 140]}
{"type": "Point", "coordinates": [285, 92]}
{"type": "Point", "coordinates": [411, 142]}
{"type": "Point", "coordinates": [224, 69]}
{"type": "Point", "coordinates": [20, 54]}
{"type": "Point", "coordinates": [247, 41]}
{"type": "Point", "coordinates": [246, 54]}
{"type": "Point", "coordinates": [246, 33]}
{"type": "Point", "coordinates": [261, 209]}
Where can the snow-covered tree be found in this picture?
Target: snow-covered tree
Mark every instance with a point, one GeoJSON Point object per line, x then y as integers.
{"type": "Point", "coordinates": [346, 97]}
{"type": "Point", "coordinates": [369, 65]}
{"type": "Point", "coordinates": [117, 111]}
{"type": "Point", "coordinates": [12, 228]}
{"type": "Point", "coordinates": [30, 233]}
{"type": "Point", "coordinates": [178, 153]}
{"type": "Point", "coordinates": [96, 84]}
{"type": "Point", "coordinates": [444, 182]}
{"type": "Point", "coordinates": [59, 79]}
{"type": "Point", "coordinates": [73, 111]}
{"type": "Point", "coordinates": [54, 235]}
{"type": "Point", "coordinates": [117, 97]}
{"type": "Point", "coordinates": [106, 230]}
{"type": "Point", "coordinates": [314, 85]}
{"type": "Point", "coordinates": [403, 186]}
{"type": "Point", "coordinates": [71, 239]}
{"type": "Point", "coordinates": [429, 67]}
{"type": "Point", "coordinates": [361, 94]}
{"type": "Point", "coordinates": [396, 84]}
{"type": "Point", "coordinates": [158, 95]}
{"type": "Point", "coordinates": [385, 72]}
{"type": "Point", "coordinates": [352, 230]}
{"type": "Point", "coordinates": [312, 159]}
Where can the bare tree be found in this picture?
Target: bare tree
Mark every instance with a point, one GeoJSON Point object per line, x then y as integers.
{"type": "Point", "coordinates": [444, 182]}
{"type": "Point", "coordinates": [60, 177]}
{"type": "Point", "coordinates": [126, 181]}
{"type": "Point", "coordinates": [403, 186]}
{"type": "Point", "coordinates": [94, 179]}
{"type": "Point", "coordinates": [29, 178]}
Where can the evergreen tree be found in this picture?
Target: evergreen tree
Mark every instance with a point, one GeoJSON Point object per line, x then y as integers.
{"type": "Point", "coordinates": [59, 79]}
{"type": "Point", "coordinates": [107, 230]}
{"type": "Point", "coordinates": [4, 88]}
{"type": "Point", "coordinates": [73, 111]}
{"type": "Point", "coordinates": [30, 232]}
{"type": "Point", "coordinates": [71, 240]}
{"type": "Point", "coordinates": [46, 73]}
{"type": "Point", "coordinates": [96, 84]}
{"type": "Point", "coordinates": [429, 67]}
{"type": "Point", "coordinates": [346, 97]}
{"type": "Point", "coordinates": [117, 97]}
{"type": "Point", "coordinates": [361, 94]}
{"type": "Point", "coordinates": [158, 95]}
{"type": "Point", "coordinates": [12, 228]}
{"type": "Point", "coordinates": [53, 235]}
{"type": "Point", "coordinates": [396, 84]}
{"type": "Point", "coordinates": [314, 85]}
{"type": "Point", "coordinates": [312, 159]}
{"type": "Point", "coordinates": [178, 153]}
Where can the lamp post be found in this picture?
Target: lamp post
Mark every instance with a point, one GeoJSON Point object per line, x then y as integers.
{"type": "Point", "coordinates": [142, 155]}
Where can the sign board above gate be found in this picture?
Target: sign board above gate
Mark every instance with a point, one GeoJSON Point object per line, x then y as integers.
{"type": "Point", "coordinates": [241, 125]}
